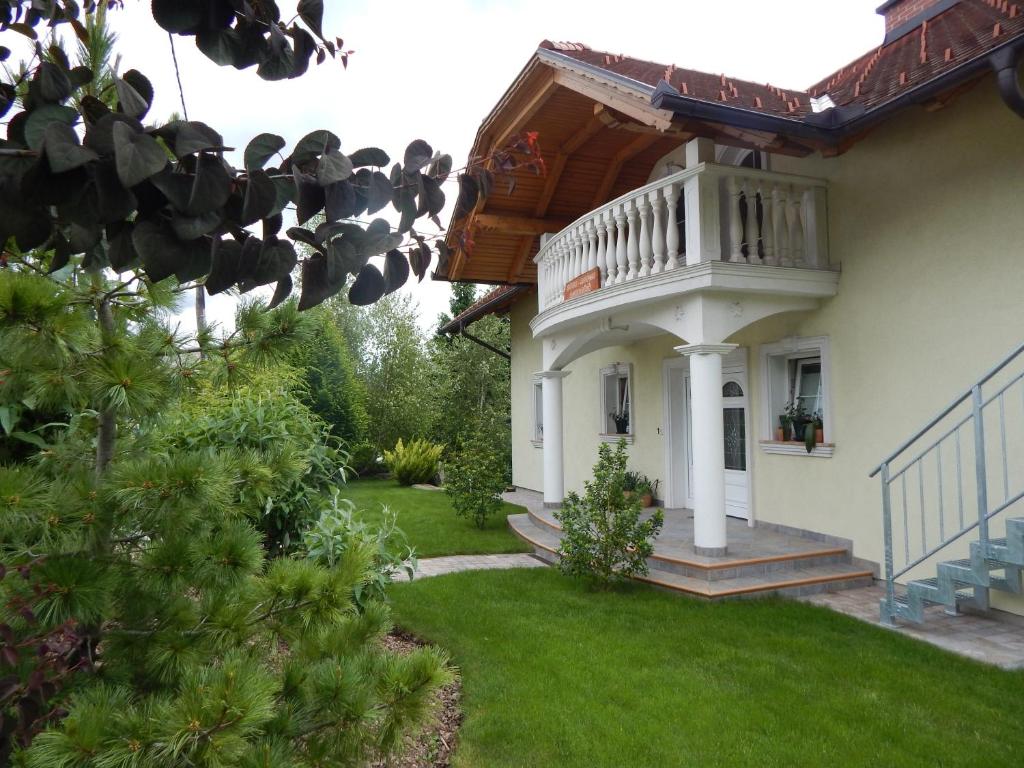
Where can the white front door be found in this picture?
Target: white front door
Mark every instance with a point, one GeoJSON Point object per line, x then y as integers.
{"type": "Point", "coordinates": [734, 417]}
{"type": "Point", "coordinates": [736, 423]}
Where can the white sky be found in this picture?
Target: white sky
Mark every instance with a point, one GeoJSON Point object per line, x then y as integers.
{"type": "Point", "coordinates": [433, 70]}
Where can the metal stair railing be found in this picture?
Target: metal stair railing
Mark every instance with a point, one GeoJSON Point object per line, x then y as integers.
{"type": "Point", "coordinates": [927, 468]}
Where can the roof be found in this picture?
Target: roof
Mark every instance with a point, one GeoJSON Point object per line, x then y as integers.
{"type": "Point", "coordinates": [964, 31]}
{"type": "Point", "coordinates": [720, 89]}
{"type": "Point", "coordinates": [605, 120]}
{"type": "Point", "coordinates": [493, 302]}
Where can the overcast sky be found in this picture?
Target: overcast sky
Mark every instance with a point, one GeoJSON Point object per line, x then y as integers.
{"type": "Point", "coordinates": [434, 70]}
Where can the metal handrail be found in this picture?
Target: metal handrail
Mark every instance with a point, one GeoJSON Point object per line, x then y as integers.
{"type": "Point", "coordinates": [949, 409]}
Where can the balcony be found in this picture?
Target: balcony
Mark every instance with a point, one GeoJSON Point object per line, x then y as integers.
{"type": "Point", "coordinates": [709, 228]}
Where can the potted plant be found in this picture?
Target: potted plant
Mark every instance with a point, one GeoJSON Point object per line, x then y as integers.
{"type": "Point", "coordinates": [630, 483]}
{"type": "Point", "coordinates": [646, 489]}
{"type": "Point", "coordinates": [819, 427]}
{"type": "Point", "coordinates": [785, 428]}
{"type": "Point", "coordinates": [621, 419]}
{"type": "Point", "coordinates": [798, 418]}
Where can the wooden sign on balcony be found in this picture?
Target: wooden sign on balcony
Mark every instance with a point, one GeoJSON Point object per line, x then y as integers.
{"type": "Point", "coordinates": [588, 282]}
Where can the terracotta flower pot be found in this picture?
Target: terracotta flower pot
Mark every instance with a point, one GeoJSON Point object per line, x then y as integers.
{"type": "Point", "coordinates": [819, 436]}
{"type": "Point", "coordinates": [647, 500]}
{"type": "Point", "coordinates": [780, 436]}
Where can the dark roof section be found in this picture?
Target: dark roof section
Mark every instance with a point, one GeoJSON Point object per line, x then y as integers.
{"type": "Point", "coordinates": [494, 302]}
{"type": "Point", "coordinates": [963, 34]}
{"type": "Point", "coordinates": [719, 89]}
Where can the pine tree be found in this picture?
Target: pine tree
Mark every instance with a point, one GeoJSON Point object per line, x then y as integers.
{"type": "Point", "coordinates": [141, 623]}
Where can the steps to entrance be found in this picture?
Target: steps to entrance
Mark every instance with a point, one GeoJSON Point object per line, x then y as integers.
{"type": "Point", "coordinates": [764, 563]}
{"type": "Point", "coordinates": [959, 583]}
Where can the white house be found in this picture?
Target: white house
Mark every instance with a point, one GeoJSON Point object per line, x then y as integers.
{"type": "Point", "coordinates": [704, 252]}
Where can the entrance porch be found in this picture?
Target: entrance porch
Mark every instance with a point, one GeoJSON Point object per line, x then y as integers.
{"type": "Point", "coordinates": [760, 560]}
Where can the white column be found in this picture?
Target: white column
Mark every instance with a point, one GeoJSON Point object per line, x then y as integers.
{"type": "Point", "coordinates": [708, 446]}
{"type": "Point", "coordinates": [551, 399]}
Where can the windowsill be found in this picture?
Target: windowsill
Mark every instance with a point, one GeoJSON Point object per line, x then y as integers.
{"type": "Point", "coordinates": [794, 448]}
{"type": "Point", "coordinates": [611, 438]}
{"type": "Point", "coordinates": [537, 443]}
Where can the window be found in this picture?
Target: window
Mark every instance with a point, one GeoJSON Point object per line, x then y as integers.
{"type": "Point", "coordinates": [795, 373]}
{"type": "Point", "coordinates": [617, 400]}
{"type": "Point", "coordinates": [538, 413]}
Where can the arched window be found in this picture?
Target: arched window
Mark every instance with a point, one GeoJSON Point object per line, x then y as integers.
{"type": "Point", "coordinates": [732, 389]}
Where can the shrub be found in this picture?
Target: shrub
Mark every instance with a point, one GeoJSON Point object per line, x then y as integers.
{"type": "Point", "coordinates": [604, 538]}
{"type": "Point", "coordinates": [287, 456]}
{"type": "Point", "coordinates": [340, 534]}
{"type": "Point", "coordinates": [475, 477]}
{"type": "Point", "coordinates": [365, 460]}
{"type": "Point", "coordinates": [415, 462]}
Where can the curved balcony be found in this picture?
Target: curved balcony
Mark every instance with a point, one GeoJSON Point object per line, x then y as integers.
{"type": "Point", "coordinates": [660, 237]}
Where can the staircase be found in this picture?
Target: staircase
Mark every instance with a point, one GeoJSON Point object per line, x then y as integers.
{"type": "Point", "coordinates": [931, 503]}
{"type": "Point", "coordinates": [761, 562]}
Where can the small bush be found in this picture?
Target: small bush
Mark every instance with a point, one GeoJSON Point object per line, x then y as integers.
{"type": "Point", "coordinates": [340, 533]}
{"type": "Point", "coordinates": [475, 477]}
{"type": "Point", "coordinates": [415, 462]}
{"type": "Point", "coordinates": [366, 459]}
{"type": "Point", "coordinates": [604, 538]}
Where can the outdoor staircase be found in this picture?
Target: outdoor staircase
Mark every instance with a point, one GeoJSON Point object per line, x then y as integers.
{"type": "Point", "coordinates": [967, 581]}
{"type": "Point", "coordinates": [995, 563]}
{"type": "Point", "coordinates": [765, 562]}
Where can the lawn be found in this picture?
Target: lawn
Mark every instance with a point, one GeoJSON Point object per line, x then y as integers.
{"type": "Point", "coordinates": [556, 675]}
{"type": "Point", "coordinates": [427, 519]}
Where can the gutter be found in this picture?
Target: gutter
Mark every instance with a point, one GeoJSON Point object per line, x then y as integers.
{"type": "Point", "coordinates": [834, 125]}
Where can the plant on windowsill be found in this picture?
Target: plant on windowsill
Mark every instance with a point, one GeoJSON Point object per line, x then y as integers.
{"type": "Point", "coordinates": [814, 432]}
{"type": "Point", "coordinates": [621, 419]}
{"type": "Point", "coordinates": [798, 419]}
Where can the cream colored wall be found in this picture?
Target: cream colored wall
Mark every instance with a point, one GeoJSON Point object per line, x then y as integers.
{"type": "Point", "coordinates": [581, 404]}
{"type": "Point", "coordinates": [527, 461]}
{"type": "Point", "coordinates": [925, 220]}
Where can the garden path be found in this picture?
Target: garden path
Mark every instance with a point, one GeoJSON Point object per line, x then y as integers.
{"type": "Point", "coordinates": [438, 566]}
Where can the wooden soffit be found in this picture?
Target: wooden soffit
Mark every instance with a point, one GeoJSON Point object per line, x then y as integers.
{"type": "Point", "coordinates": [597, 141]}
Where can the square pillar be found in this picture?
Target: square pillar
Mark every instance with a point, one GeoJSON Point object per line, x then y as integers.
{"type": "Point", "coordinates": [709, 538]}
{"type": "Point", "coordinates": [551, 401]}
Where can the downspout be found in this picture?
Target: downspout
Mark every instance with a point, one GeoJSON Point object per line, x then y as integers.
{"type": "Point", "coordinates": [1006, 64]}
{"type": "Point", "coordinates": [462, 331]}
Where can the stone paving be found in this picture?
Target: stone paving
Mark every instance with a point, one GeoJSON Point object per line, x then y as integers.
{"type": "Point", "coordinates": [438, 566]}
{"type": "Point", "coordinates": [994, 638]}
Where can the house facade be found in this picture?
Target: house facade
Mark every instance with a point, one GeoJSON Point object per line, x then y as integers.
{"type": "Point", "coordinates": [705, 257]}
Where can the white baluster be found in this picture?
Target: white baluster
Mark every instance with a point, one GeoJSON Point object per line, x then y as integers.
{"type": "Point", "coordinates": [767, 190]}
{"type": "Point", "coordinates": [658, 243]}
{"type": "Point", "coordinates": [592, 258]}
{"type": "Point", "coordinates": [752, 230]}
{"type": "Point", "coordinates": [577, 259]}
{"type": "Point", "coordinates": [564, 265]}
{"type": "Point", "coordinates": [794, 213]}
{"type": "Point", "coordinates": [602, 249]}
{"type": "Point", "coordinates": [780, 204]}
{"type": "Point", "coordinates": [735, 221]}
{"type": "Point", "coordinates": [621, 246]}
{"type": "Point", "coordinates": [672, 227]}
{"type": "Point", "coordinates": [646, 251]}
{"type": "Point", "coordinates": [612, 266]}
{"type": "Point", "coordinates": [632, 249]}
{"type": "Point", "coordinates": [584, 250]}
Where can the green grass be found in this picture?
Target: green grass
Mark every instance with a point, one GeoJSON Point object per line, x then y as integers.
{"type": "Point", "coordinates": [556, 675]}
{"type": "Point", "coordinates": [430, 524]}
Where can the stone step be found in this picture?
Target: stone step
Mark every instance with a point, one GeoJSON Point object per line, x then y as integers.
{"type": "Point", "coordinates": [798, 580]}
{"type": "Point", "coordinates": [674, 559]}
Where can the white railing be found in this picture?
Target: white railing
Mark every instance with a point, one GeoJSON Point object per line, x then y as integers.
{"type": "Point", "coordinates": [697, 215]}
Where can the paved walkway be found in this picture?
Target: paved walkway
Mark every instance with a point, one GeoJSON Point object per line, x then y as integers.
{"type": "Point", "coordinates": [438, 566]}
{"type": "Point", "coordinates": [998, 641]}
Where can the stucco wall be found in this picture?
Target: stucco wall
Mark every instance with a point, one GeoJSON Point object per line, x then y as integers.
{"type": "Point", "coordinates": [925, 220]}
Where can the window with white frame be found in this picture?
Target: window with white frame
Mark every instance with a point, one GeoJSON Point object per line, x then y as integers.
{"type": "Point", "coordinates": [538, 412]}
{"type": "Point", "coordinates": [795, 383]}
{"type": "Point", "coordinates": [617, 399]}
